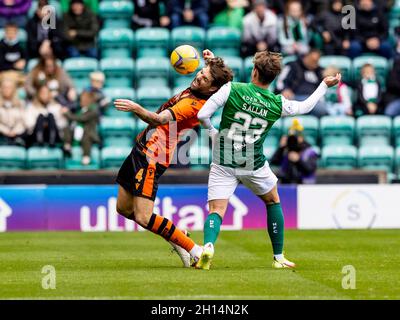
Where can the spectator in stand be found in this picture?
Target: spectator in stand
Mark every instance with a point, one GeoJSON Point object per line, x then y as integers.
{"type": "Point", "coordinates": [12, 114]}
{"type": "Point", "coordinates": [43, 41]}
{"type": "Point", "coordinates": [93, 5]}
{"type": "Point", "coordinates": [12, 56]}
{"type": "Point", "coordinates": [300, 78]}
{"type": "Point", "coordinates": [97, 80]}
{"type": "Point", "coordinates": [312, 7]}
{"type": "Point", "coordinates": [188, 12]}
{"type": "Point", "coordinates": [85, 128]}
{"type": "Point", "coordinates": [337, 98]}
{"type": "Point", "coordinates": [371, 33]}
{"type": "Point", "coordinates": [369, 93]}
{"type": "Point", "coordinates": [392, 96]}
{"type": "Point", "coordinates": [259, 29]}
{"type": "Point", "coordinates": [14, 11]}
{"type": "Point", "coordinates": [292, 29]}
{"type": "Point", "coordinates": [80, 30]}
{"type": "Point", "coordinates": [215, 7]}
{"type": "Point", "coordinates": [48, 72]}
{"type": "Point", "coordinates": [232, 15]}
{"type": "Point", "coordinates": [43, 118]}
{"type": "Point", "coordinates": [296, 158]}
{"type": "Point", "coordinates": [148, 14]}
{"type": "Point", "coordinates": [397, 39]}
{"type": "Point", "coordinates": [329, 25]}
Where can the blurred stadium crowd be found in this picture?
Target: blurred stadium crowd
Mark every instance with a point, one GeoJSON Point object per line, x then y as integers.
{"type": "Point", "coordinates": [57, 83]}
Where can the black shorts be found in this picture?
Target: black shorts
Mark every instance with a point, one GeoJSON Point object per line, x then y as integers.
{"type": "Point", "coordinates": [138, 176]}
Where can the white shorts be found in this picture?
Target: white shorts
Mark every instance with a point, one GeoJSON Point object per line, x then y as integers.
{"type": "Point", "coordinates": [223, 181]}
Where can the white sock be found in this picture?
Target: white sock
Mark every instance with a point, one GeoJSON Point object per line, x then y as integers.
{"type": "Point", "coordinates": [196, 251]}
{"type": "Point", "coordinates": [278, 256]}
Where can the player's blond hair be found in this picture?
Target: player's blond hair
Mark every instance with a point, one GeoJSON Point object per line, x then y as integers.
{"type": "Point", "coordinates": [268, 64]}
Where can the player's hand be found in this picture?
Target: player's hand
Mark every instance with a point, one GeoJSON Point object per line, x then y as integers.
{"type": "Point", "coordinates": [333, 81]}
{"type": "Point", "coordinates": [125, 105]}
{"type": "Point", "coordinates": [207, 54]}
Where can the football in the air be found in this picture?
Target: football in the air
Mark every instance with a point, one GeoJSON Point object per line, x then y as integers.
{"type": "Point", "coordinates": [185, 59]}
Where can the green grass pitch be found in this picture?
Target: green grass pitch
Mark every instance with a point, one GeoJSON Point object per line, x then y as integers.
{"type": "Point", "coordinates": [140, 266]}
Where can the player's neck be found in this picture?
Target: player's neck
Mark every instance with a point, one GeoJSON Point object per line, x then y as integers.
{"type": "Point", "coordinates": [260, 85]}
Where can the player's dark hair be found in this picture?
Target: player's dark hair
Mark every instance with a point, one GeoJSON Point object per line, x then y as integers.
{"type": "Point", "coordinates": [220, 72]}
{"type": "Point", "coordinates": [268, 64]}
{"type": "Point", "coordinates": [11, 25]}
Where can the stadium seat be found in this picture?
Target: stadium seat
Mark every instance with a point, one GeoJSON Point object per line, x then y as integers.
{"type": "Point", "coordinates": [248, 68]}
{"type": "Point", "coordinates": [194, 36]}
{"type": "Point", "coordinates": [152, 42]}
{"type": "Point", "coordinates": [397, 161]}
{"type": "Point", "coordinates": [125, 141]}
{"type": "Point", "coordinates": [269, 151]}
{"type": "Point", "coordinates": [140, 126]}
{"type": "Point", "coordinates": [22, 36]}
{"type": "Point", "coordinates": [274, 135]}
{"type": "Point", "coordinates": [112, 157]}
{"type": "Point", "coordinates": [152, 72]}
{"type": "Point", "coordinates": [117, 127]}
{"type": "Point", "coordinates": [339, 157]}
{"type": "Point", "coordinates": [31, 63]}
{"type": "Point", "coordinates": [12, 158]}
{"type": "Point", "coordinates": [236, 64]}
{"type": "Point", "coordinates": [44, 158]}
{"type": "Point", "coordinates": [379, 157]}
{"type": "Point", "coordinates": [337, 130]}
{"type": "Point", "coordinates": [310, 124]}
{"type": "Point", "coordinates": [74, 162]}
{"type": "Point", "coordinates": [380, 64]}
{"type": "Point", "coordinates": [341, 62]}
{"type": "Point", "coordinates": [118, 93]}
{"type": "Point", "coordinates": [116, 14]}
{"type": "Point", "coordinates": [116, 43]}
{"type": "Point", "coordinates": [79, 70]}
{"type": "Point", "coordinates": [373, 130]}
{"type": "Point", "coordinates": [119, 72]}
{"type": "Point", "coordinates": [177, 90]}
{"type": "Point", "coordinates": [153, 98]}
{"type": "Point", "coordinates": [200, 157]}
{"type": "Point", "coordinates": [396, 131]}
{"type": "Point", "coordinates": [288, 59]}
{"type": "Point", "coordinates": [224, 41]}
{"type": "Point", "coordinates": [54, 3]}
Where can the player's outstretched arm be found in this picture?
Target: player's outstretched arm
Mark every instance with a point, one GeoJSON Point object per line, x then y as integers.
{"type": "Point", "coordinates": [147, 116]}
{"type": "Point", "coordinates": [217, 100]}
{"type": "Point", "coordinates": [292, 107]}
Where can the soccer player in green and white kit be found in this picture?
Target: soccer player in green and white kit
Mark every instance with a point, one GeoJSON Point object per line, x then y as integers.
{"type": "Point", "coordinates": [249, 112]}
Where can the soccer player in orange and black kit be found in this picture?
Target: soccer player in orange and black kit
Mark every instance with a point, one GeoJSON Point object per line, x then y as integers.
{"type": "Point", "coordinates": [153, 152]}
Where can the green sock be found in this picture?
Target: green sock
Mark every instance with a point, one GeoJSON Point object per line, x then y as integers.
{"type": "Point", "coordinates": [212, 227]}
{"type": "Point", "coordinates": [276, 227]}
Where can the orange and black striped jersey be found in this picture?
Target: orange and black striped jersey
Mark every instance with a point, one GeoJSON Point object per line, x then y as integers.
{"type": "Point", "coordinates": [159, 143]}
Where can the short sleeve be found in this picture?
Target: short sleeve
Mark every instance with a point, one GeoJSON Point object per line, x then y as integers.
{"type": "Point", "coordinates": [185, 109]}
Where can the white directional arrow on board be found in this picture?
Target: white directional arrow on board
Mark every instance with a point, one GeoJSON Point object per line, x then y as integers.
{"type": "Point", "coordinates": [5, 212]}
{"type": "Point", "coordinates": [239, 211]}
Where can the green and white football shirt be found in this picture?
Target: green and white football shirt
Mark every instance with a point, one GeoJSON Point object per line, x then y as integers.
{"type": "Point", "coordinates": [248, 114]}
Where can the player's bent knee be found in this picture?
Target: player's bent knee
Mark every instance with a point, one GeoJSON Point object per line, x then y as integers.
{"type": "Point", "coordinates": [125, 211]}
{"type": "Point", "coordinates": [142, 219]}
